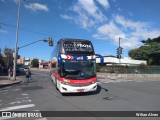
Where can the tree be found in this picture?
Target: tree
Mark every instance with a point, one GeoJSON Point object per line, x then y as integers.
{"type": "Point", "coordinates": [35, 63]}
{"type": "Point", "coordinates": [150, 51]}
{"type": "Point", "coordinates": [8, 57]}
{"type": "Point", "coordinates": [1, 59]}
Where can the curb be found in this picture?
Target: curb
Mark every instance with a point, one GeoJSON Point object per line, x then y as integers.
{"type": "Point", "coordinates": [5, 85]}
{"type": "Point", "coordinates": [9, 84]}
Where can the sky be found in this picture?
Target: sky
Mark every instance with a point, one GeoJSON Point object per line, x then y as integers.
{"type": "Point", "coordinates": [101, 21]}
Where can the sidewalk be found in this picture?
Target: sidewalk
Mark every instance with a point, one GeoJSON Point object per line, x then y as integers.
{"type": "Point", "coordinates": [5, 82]}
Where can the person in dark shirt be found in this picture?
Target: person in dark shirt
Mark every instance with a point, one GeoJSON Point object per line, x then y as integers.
{"type": "Point", "coordinates": [28, 74]}
{"type": "Point", "coordinates": [9, 73]}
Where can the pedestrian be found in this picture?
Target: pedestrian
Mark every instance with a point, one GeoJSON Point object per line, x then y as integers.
{"type": "Point", "coordinates": [9, 73]}
{"type": "Point", "coordinates": [28, 74]}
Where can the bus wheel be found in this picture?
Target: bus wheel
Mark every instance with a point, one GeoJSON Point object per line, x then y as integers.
{"type": "Point", "coordinates": [56, 84]}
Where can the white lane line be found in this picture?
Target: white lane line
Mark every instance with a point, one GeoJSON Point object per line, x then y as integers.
{"type": "Point", "coordinates": [41, 74]}
{"type": "Point", "coordinates": [22, 98]}
{"type": "Point", "coordinates": [16, 89]}
{"type": "Point", "coordinates": [17, 107]}
{"type": "Point", "coordinates": [26, 100]}
{"type": "Point", "coordinates": [15, 102]}
{"type": "Point", "coordinates": [42, 119]}
{"type": "Point", "coordinates": [24, 94]}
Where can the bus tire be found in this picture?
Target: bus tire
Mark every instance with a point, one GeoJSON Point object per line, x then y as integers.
{"type": "Point", "coordinates": [56, 84]}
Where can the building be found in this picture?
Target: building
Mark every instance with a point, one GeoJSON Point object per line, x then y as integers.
{"type": "Point", "coordinates": [112, 60]}
{"type": "Point", "coordinates": [20, 60]}
{"type": "Point", "coordinates": [27, 61]}
{"type": "Point", "coordinates": [43, 64]}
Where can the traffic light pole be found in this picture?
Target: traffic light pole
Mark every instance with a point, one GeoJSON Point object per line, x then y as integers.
{"type": "Point", "coordinates": [16, 50]}
{"type": "Point", "coordinates": [30, 44]}
{"type": "Point", "coordinates": [119, 54]}
{"type": "Point", "coordinates": [45, 40]}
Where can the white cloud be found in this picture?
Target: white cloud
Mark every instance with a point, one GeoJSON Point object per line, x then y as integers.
{"type": "Point", "coordinates": [36, 6]}
{"type": "Point", "coordinates": [128, 23]}
{"type": "Point", "coordinates": [141, 30]}
{"type": "Point", "coordinates": [131, 32]}
{"type": "Point", "coordinates": [3, 0]}
{"type": "Point", "coordinates": [66, 17]}
{"type": "Point", "coordinates": [3, 31]}
{"type": "Point", "coordinates": [104, 3]}
{"type": "Point", "coordinates": [82, 20]}
{"type": "Point", "coordinates": [109, 32]}
{"type": "Point", "coordinates": [86, 14]}
{"type": "Point", "coordinates": [90, 8]}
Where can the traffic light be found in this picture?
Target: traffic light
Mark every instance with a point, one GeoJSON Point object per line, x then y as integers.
{"type": "Point", "coordinates": [50, 41]}
{"type": "Point", "coordinates": [119, 56]}
{"type": "Point", "coordinates": [119, 50]}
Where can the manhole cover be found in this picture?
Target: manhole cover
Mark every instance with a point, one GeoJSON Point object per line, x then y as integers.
{"type": "Point", "coordinates": [32, 88]}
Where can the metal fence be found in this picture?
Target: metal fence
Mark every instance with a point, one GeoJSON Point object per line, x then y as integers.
{"type": "Point", "coordinates": [141, 69]}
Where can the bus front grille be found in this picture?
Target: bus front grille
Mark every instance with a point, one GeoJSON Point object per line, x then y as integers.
{"type": "Point", "coordinates": [79, 85]}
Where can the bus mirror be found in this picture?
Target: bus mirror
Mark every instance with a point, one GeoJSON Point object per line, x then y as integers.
{"type": "Point", "coordinates": [59, 60]}
{"type": "Point", "coordinates": [101, 58]}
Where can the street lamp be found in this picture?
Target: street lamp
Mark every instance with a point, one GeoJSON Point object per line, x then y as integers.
{"type": "Point", "coordinates": [16, 50]}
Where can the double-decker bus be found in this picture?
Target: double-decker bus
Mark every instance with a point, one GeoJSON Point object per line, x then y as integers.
{"type": "Point", "coordinates": [73, 66]}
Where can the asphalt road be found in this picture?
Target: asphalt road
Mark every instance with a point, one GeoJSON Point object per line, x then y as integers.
{"type": "Point", "coordinates": [41, 95]}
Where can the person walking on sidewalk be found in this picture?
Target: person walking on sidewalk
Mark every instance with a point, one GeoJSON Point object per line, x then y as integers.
{"type": "Point", "coordinates": [28, 74]}
{"type": "Point", "coordinates": [9, 73]}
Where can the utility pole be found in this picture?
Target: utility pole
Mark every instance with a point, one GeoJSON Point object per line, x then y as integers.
{"type": "Point", "coordinates": [119, 51]}
{"type": "Point", "coordinates": [16, 50]}
{"type": "Point", "coordinates": [120, 54]}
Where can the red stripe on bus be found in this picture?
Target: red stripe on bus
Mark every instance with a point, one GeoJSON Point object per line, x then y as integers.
{"type": "Point", "coordinates": [74, 81]}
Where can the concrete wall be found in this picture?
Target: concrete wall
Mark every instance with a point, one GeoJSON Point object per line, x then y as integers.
{"type": "Point", "coordinates": [114, 76]}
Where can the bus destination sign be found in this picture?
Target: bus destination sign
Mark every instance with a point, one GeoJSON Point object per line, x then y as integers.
{"type": "Point", "coordinates": [78, 47]}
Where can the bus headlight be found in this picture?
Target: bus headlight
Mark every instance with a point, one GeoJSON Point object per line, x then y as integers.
{"type": "Point", "coordinates": [93, 82]}
{"type": "Point", "coordinates": [66, 82]}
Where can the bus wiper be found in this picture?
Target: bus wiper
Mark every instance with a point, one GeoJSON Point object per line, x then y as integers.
{"type": "Point", "coordinates": [72, 71]}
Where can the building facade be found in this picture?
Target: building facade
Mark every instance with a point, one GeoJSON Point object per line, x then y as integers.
{"type": "Point", "coordinates": [111, 60]}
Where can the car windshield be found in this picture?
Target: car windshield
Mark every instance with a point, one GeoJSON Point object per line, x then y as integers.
{"type": "Point", "coordinates": [78, 69]}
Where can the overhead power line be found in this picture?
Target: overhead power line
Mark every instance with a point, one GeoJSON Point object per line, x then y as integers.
{"type": "Point", "coordinates": [45, 33]}
{"type": "Point", "coordinates": [33, 31]}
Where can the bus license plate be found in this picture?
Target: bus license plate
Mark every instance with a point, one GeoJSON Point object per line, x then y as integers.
{"type": "Point", "coordinates": [80, 90]}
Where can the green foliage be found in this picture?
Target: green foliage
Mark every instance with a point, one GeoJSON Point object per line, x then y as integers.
{"type": "Point", "coordinates": [150, 51]}
{"type": "Point", "coordinates": [142, 66]}
{"type": "Point", "coordinates": [7, 57]}
{"type": "Point", "coordinates": [98, 67]}
{"type": "Point", "coordinates": [35, 62]}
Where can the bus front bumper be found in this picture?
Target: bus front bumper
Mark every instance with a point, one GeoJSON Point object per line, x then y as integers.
{"type": "Point", "coordinates": [72, 89]}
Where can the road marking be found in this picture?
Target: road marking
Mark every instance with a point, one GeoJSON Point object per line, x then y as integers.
{"type": "Point", "coordinates": [26, 100]}
{"type": "Point", "coordinates": [42, 119]}
{"type": "Point", "coordinates": [22, 98]}
{"type": "Point", "coordinates": [24, 94]}
{"type": "Point", "coordinates": [17, 107]}
{"type": "Point", "coordinates": [41, 74]}
{"type": "Point", "coordinates": [15, 102]}
{"type": "Point", "coordinates": [113, 81]}
{"type": "Point", "coordinates": [16, 89]}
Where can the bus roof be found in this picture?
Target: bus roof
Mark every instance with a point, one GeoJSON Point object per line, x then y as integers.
{"type": "Point", "coordinates": [73, 39]}
{"type": "Point", "coordinates": [83, 46]}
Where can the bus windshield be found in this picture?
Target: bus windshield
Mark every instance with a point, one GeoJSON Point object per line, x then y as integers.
{"type": "Point", "coordinates": [78, 69]}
